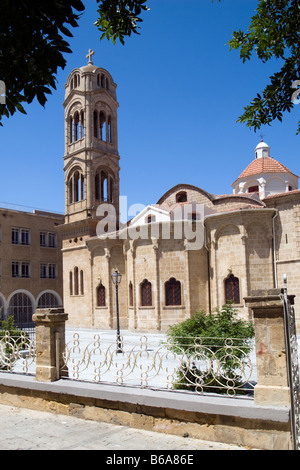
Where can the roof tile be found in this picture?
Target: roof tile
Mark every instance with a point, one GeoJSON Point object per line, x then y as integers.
{"type": "Point", "coordinates": [264, 165]}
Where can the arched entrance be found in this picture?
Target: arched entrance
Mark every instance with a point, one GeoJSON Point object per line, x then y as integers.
{"type": "Point", "coordinates": [48, 300]}
{"type": "Point", "coordinates": [21, 308]}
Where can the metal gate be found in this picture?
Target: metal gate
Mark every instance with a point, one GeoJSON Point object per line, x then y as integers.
{"type": "Point", "coordinates": [292, 363]}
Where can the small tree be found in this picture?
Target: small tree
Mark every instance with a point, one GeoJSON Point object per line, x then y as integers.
{"type": "Point", "coordinates": [220, 336]}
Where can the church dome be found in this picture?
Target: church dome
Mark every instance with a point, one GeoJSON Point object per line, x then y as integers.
{"type": "Point", "coordinates": [264, 165]}
{"type": "Point", "coordinates": [265, 176]}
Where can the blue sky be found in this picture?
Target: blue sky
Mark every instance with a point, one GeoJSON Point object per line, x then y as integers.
{"type": "Point", "coordinates": [180, 91]}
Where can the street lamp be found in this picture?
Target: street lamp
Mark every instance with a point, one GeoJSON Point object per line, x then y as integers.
{"type": "Point", "coordinates": [116, 278]}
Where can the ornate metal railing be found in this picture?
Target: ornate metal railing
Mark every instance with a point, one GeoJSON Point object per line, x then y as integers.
{"type": "Point", "coordinates": [17, 352]}
{"type": "Point", "coordinates": [214, 365]}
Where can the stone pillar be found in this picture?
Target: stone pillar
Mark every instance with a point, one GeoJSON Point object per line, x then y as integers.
{"type": "Point", "coordinates": [271, 360]}
{"type": "Point", "coordinates": [50, 344]}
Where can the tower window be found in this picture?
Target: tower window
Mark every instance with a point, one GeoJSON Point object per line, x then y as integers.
{"type": "Point", "coordinates": [104, 186]}
{"type": "Point", "coordinates": [109, 130]}
{"type": "Point", "coordinates": [71, 129]}
{"type": "Point", "coordinates": [95, 124]}
{"type": "Point", "coordinates": [76, 187]}
{"type": "Point", "coordinates": [102, 126]}
{"type": "Point", "coordinates": [76, 126]}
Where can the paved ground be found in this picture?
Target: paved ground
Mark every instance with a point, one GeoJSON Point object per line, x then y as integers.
{"type": "Point", "coordinates": [23, 429]}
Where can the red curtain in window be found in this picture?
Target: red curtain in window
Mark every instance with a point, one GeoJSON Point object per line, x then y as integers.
{"type": "Point", "coordinates": [173, 292]}
{"type": "Point", "coordinates": [232, 289]}
{"type": "Point", "coordinates": [146, 294]}
{"type": "Point", "coordinates": [101, 296]}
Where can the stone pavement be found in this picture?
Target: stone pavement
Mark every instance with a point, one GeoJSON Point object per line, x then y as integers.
{"type": "Point", "coordinates": [24, 429]}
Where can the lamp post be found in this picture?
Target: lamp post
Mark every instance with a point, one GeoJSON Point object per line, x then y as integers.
{"type": "Point", "coordinates": [116, 278]}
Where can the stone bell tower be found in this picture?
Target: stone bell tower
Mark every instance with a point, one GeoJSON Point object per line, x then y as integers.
{"type": "Point", "coordinates": [91, 160]}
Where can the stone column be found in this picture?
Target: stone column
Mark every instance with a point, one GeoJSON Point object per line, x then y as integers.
{"type": "Point", "coordinates": [50, 344]}
{"type": "Point", "coordinates": [271, 360]}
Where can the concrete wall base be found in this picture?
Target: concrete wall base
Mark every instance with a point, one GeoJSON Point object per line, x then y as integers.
{"type": "Point", "coordinates": [229, 420]}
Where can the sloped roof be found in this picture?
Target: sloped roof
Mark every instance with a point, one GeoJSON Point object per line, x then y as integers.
{"type": "Point", "coordinates": [287, 193]}
{"type": "Point", "coordinates": [264, 165]}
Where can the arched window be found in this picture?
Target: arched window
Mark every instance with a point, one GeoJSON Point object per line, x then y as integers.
{"type": "Point", "coordinates": [48, 300]}
{"type": "Point", "coordinates": [111, 190]}
{"type": "Point", "coordinates": [71, 129]}
{"type": "Point", "coordinates": [76, 180]}
{"type": "Point", "coordinates": [102, 126]}
{"type": "Point", "coordinates": [82, 124]}
{"type": "Point", "coordinates": [101, 300]}
{"type": "Point", "coordinates": [76, 281]}
{"type": "Point", "coordinates": [181, 197]}
{"type": "Point", "coordinates": [96, 133]}
{"type": "Point", "coordinates": [232, 289]}
{"type": "Point", "coordinates": [146, 294]}
{"type": "Point", "coordinates": [76, 126]}
{"type": "Point", "coordinates": [109, 129]}
{"type": "Point", "coordinates": [173, 292]}
{"type": "Point", "coordinates": [76, 187]}
{"type": "Point", "coordinates": [97, 187]}
{"type": "Point", "coordinates": [104, 186]}
{"type": "Point", "coordinates": [71, 282]}
{"type": "Point", "coordinates": [81, 283]}
{"type": "Point", "coordinates": [20, 307]}
{"type": "Point", "coordinates": [130, 294]}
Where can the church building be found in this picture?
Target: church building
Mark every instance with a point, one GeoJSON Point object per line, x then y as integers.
{"type": "Point", "coordinates": [189, 251]}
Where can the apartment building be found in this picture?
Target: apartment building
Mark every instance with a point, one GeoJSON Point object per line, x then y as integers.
{"type": "Point", "coordinates": [30, 263]}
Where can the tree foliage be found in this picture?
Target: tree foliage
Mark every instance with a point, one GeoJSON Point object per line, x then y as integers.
{"type": "Point", "coordinates": [32, 45]}
{"type": "Point", "coordinates": [220, 336]}
{"type": "Point", "coordinates": [222, 324]}
{"type": "Point", "coordinates": [33, 41]}
{"type": "Point", "coordinates": [119, 18]}
{"type": "Point", "coordinates": [274, 32]}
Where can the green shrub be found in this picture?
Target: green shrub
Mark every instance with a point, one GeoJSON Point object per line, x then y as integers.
{"type": "Point", "coordinates": [220, 336]}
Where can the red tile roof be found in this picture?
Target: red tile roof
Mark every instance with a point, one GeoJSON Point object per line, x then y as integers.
{"type": "Point", "coordinates": [287, 193]}
{"type": "Point", "coordinates": [264, 165]}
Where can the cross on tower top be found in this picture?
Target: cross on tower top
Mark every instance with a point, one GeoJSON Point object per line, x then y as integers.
{"type": "Point", "coordinates": [89, 56]}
